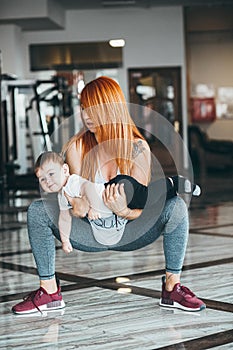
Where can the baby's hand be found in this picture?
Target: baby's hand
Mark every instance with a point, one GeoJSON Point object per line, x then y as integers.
{"type": "Point", "coordinates": [67, 247]}
{"type": "Point", "coordinates": [93, 215]}
{"type": "Point", "coordinates": [80, 206]}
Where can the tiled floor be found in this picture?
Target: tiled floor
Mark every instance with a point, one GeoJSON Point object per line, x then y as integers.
{"type": "Point", "coordinates": [104, 313]}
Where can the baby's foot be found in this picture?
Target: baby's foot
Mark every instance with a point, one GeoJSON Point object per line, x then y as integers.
{"type": "Point", "coordinates": [184, 185]}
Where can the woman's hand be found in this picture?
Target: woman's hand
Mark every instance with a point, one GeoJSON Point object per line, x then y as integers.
{"type": "Point", "coordinates": [80, 206]}
{"type": "Point", "coordinates": [114, 198]}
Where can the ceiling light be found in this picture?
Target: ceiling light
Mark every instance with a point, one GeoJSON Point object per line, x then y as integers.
{"type": "Point", "coordinates": [117, 42]}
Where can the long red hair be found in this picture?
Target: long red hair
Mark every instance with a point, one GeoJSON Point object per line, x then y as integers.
{"type": "Point", "coordinates": [105, 104]}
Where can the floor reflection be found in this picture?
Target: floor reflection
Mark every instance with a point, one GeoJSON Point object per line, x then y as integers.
{"type": "Point", "coordinates": [112, 297]}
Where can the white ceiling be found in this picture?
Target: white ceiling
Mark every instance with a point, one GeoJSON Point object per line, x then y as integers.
{"type": "Point", "coordinates": [31, 15]}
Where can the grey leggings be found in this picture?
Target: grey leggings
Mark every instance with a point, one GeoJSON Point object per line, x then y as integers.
{"type": "Point", "coordinates": [171, 220]}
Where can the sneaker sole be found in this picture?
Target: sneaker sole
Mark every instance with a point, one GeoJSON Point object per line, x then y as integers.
{"type": "Point", "coordinates": [47, 307]}
{"type": "Point", "coordinates": [57, 312]}
{"type": "Point", "coordinates": [176, 305]}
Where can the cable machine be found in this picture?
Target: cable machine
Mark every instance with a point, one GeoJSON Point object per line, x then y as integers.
{"type": "Point", "coordinates": [31, 112]}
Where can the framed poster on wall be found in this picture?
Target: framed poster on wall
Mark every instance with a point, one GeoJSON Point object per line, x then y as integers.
{"type": "Point", "coordinates": [203, 109]}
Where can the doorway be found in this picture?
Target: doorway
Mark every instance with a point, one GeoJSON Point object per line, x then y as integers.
{"type": "Point", "coordinates": [158, 93]}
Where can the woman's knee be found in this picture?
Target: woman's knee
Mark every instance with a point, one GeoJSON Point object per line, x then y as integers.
{"type": "Point", "coordinates": [35, 209]}
{"type": "Point", "coordinates": [36, 215]}
{"type": "Point", "coordinates": [178, 215]}
{"type": "Point", "coordinates": [181, 207]}
{"type": "Point", "coordinates": [41, 211]}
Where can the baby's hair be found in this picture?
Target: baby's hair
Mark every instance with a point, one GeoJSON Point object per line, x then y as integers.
{"type": "Point", "coordinates": [48, 156]}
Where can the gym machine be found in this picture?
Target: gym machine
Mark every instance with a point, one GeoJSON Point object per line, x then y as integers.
{"type": "Point", "coordinates": [31, 113]}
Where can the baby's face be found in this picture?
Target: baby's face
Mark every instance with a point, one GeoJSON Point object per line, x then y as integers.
{"type": "Point", "coordinates": [52, 176]}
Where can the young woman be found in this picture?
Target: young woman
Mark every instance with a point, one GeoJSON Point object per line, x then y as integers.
{"type": "Point", "coordinates": [109, 144]}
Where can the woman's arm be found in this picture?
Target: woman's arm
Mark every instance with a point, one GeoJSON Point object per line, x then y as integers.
{"type": "Point", "coordinates": [141, 169]}
{"type": "Point", "coordinates": [73, 158]}
{"type": "Point", "coordinates": [114, 196]}
{"type": "Point", "coordinates": [79, 205]}
{"type": "Point", "coordinates": [115, 199]}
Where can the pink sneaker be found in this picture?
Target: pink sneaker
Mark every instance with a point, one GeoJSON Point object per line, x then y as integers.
{"type": "Point", "coordinates": [39, 300]}
{"type": "Point", "coordinates": [181, 298]}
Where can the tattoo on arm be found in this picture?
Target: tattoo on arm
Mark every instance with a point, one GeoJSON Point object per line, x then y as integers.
{"type": "Point", "coordinates": [137, 148]}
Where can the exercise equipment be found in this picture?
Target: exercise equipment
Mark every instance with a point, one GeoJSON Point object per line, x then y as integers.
{"type": "Point", "coordinates": [31, 112]}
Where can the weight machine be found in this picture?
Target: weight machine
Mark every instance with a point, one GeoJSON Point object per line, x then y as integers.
{"type": "Point", "coordinates": [31, 112]}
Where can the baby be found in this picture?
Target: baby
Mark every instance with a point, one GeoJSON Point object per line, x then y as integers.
{"type": "Point", "coordinates": [54, 177]}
